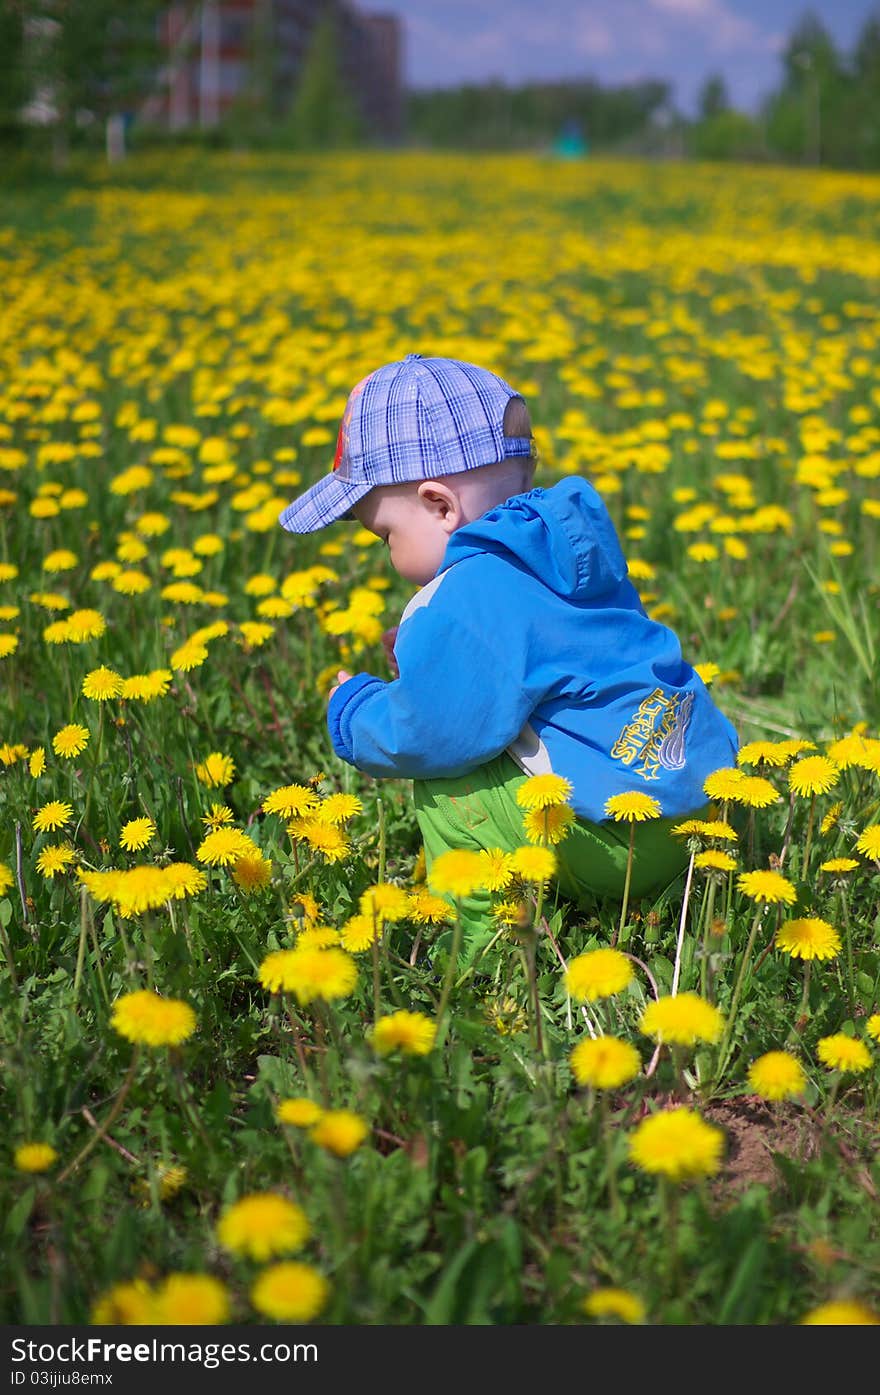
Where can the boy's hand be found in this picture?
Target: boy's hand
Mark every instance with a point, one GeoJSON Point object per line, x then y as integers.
{"type": "Point", "coordinates": [388, 639]}
{"type": "Point", "coordinates": [341, 677]}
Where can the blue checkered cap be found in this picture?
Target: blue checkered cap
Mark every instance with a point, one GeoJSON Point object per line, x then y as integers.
{"type": "Point", "coordinates": [415, 419]}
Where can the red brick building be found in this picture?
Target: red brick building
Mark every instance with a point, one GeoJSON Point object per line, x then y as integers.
{"type": "Point", "coordinates": [218, 49]}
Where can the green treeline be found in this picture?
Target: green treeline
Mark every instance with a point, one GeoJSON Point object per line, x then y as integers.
{"type": "Point", "coordinates": [70, 67]}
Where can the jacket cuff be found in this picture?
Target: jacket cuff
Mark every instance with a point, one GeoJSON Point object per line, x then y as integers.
{"type": "Point", "coordinates": [341, 710]}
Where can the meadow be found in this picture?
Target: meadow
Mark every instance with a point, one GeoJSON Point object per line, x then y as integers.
{"type": "Point", "coordinates": [245, 1075]}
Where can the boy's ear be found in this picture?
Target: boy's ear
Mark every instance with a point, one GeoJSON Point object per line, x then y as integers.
{"type": "Point", "coordinates": [442, 503]}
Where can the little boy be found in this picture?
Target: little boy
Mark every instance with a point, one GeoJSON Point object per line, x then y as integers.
{"type": "Point", "coordinates": [527, 650]}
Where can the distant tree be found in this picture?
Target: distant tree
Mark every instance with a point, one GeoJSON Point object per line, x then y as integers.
{"type": "Point", "coordinates": [14, 81]}
{"type": "Point", "coordinates": [713, 98]}
{"type": "Point", "coordinates": [805, 119]}
{"type": "Point", "coordinates": [323, 113]}
{"type": "Point", "coordinates": [494, 116]}
{"type": "Point", "coordinates": [88, 60]}
{"type": "Point", "coordinates": [729, 135]}
{"type": "Point", "coordinates": [864, 94]}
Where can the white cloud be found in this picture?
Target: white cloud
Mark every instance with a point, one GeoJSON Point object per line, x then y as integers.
{"type": "Point", "coordinates": [593, 38]}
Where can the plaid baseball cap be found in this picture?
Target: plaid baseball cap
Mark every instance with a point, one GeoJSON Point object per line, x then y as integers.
{"type": "Point", "coordinates": [411, 420]}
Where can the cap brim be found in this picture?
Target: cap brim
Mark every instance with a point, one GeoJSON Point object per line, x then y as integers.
{"type": "Point", "coordinates": [326, 502]}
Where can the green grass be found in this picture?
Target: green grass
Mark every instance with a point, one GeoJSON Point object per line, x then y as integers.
{"type": "Point", "coordinates": [670, 327]}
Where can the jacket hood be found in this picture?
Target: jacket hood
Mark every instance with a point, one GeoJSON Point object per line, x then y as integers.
{"type": "Point", "coordinates": [563, 535]}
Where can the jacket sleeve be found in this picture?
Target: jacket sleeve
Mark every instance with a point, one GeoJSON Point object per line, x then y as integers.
{"type": "Point", "coordinates": [463, 693]}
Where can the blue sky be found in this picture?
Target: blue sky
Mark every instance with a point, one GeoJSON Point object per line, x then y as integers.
{"type": "Point", "coordinates": [451, 41]}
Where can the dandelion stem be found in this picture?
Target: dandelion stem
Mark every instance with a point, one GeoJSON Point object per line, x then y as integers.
{"type": "Point", "coordinates": [102, 1129]}
{"type": "Point", "coordinates": [708, 907]}
{"type": "Point", "coordinates": [734, 1002]}
{"type": "Point", "coordinates": [847, 935]}
{"type": "Point", "coordinates": [296, 1032]}
{"type": "Point", "coordinates": [625, 902]}
{"type": "Point", "coordinates": [380, 817]}
{"type": "Point", "coordinates": [681, 925]}
{"type": "Point", "coordinates": [809, 838]}
{"type": "Point", "coordinates": [81, 949]}
{"type": "Point", "coordinates": [610, 1163]}
{"type": "Point", "coordinates": [7, 954]}
{"type": "Point", "coordinates": [457, 931]}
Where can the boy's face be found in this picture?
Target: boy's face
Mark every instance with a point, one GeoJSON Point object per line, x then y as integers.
{"type": "Point", "coordinates": [415, 522]}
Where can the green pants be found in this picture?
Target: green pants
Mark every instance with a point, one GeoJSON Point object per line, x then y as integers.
{"type": "Point", "coordinates": [479, 810]}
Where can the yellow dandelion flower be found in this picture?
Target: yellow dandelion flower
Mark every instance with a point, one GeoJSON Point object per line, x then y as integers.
{"type": "Point", "coordinates": [102, 683]}
{"type": "Point", "coordinates": [768, 887]}
{"type": "Point", "coordinates": [844, 1312]}
{"type": "Point", "coordinates": [839, 866]}
{"type": "Point", "coordinates": [215, 770]}
{"type": "Point", "coordinates": [714, 860]}
{"type": "Point", "coordinates": [533, 864]}
{"type": "Point", "coordinates": [70, 740]}
{"type": "Point", "coordinates": [136, 834]}
{"type": "Point", "coordinates": [683, 1020]}
{"type": "Point", "coordinates": [632, 807]}
{"type": "Point", "coordinates": [338, 808]}
{"type": "Point", "coordinates": [360, 932]}
{"type": "Point", "coordinates": [544, 792]}
{"type": "Point", "coordinates": [34, 1157]}
{"type": "Point", "coordinates": [385, 902]}
{"type": "Point", "coordinates": [600, 973]}
{"type": "Point", "coordinates": [717, 828]}
{"type": "Point", "coordinates": [812, 775]}
{"type": "Point", "coordinates": [872, 1026]}
{"type": "Point", "coordinates": [616, 1303]}
{"type": "Point", "coordinates": [840, 1052]}
{"type": "Point", "coordinates": [217, 816]}
{"type": "Point", "coordinates": [868, 841]}
{"type": "Point", "coordinates": [498, 872]}
{"type": "Point", "coordinates": [808, 938]}
{"type": "Point", "coordinates": [291, 801]}
{"type": "Point", "coordinates": [425, 909]}
{"type": "Point", "coordinates": [339, 1131]}
{"type": "Point", "coordinates": [182, 879]}
{"type": "Point", "coordinates": [144, 1017]}
{"type": "Point", "coordinates": [755, 752]}
{"type": "Point", "coordinates": [37, 762]}
{"type": "Point", "coordinates": [777, 1075]}
{"type": "Point", "coordinates": [290, 1292]}
{"type": "Point", "coordinates": [754, 792]}
{"type": "Point", "coordinates": [677, 1144]}
{"type": "Point", "coordinates": [192, 1300]}
{"type": "Point", "coordinates": [506, 1016]}
{"type": "Point", "coordinates": [252, 872]}
{"type": "Point", "coordinates": [299, 1111]}
{"type": "Point", "coordinates": [410, 1032]}
{"type": "Point", "coordinates": [457, 873]}
{"type": "Point", "coordinates": [549, 825]}
{"type": "Point", "coordinates": [318, 937]}
{"type": "Point", "coordinates": [309, 973]}
{"type": "Point", "coordinates": [53, 815]}
{"type": "Point", "coordinates": [261, 1225]}
{"type": "Point", "coordinates": [605, 1062]}
{"type": "Point", "coordinates": [188, 657]}
{"type": "Point", "coordinates": [53, 859]}
{"type": "Point", "coordinates": [224, 846]}
{"type": "Point", "coordinates": [325, 838]}
{"type": "Point", "coordinates": [721, 783]}
{"type": "Point", "coordinates": [125, 1305]}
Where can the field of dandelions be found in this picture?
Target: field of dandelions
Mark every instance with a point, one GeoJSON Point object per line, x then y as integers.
{"type": "Point", "coordinates": [245, 1075]}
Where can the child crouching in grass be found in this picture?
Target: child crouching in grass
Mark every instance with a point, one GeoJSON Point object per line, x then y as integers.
{"type": "Point", "coordinates": [526, 651]}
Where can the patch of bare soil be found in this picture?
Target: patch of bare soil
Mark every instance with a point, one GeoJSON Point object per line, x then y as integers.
{"type": "Point", "coordinates": [754, 1134]}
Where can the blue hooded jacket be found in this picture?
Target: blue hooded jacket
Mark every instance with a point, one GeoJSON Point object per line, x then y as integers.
{"type": "Point", "coordinates": [531, 639]}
